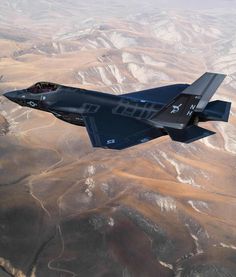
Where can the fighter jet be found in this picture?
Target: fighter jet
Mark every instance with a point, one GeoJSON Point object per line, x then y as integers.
{"type": "Point", "coordinates": [121, 121]}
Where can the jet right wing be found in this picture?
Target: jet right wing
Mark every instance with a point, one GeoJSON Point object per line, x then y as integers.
{"type": "Point", "coordinates": [178, 112]}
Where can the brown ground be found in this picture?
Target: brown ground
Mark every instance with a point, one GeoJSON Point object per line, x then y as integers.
{"type": "Point", "coordinates": [158, 209]}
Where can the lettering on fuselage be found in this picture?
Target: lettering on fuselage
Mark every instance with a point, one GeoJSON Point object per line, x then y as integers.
{"type": "Point", "coordinates": [139, 110]}
{"type": "Point", "coordinates": [111, 141]}
{"type": "Point", "coordinates": [191, 110]}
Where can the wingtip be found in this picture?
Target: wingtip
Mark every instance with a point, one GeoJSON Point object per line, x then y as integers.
{"type": "Point", "coordinates": [216, 73]}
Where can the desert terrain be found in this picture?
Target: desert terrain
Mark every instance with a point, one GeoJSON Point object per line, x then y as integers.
{"type": "Point", "coordinates": [162, 208]}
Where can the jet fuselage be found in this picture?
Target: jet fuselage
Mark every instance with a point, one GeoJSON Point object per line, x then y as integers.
{"type": "Point", "coordinates": [69, 104]}
{"type": "Point", "coordinates": [120, 121]}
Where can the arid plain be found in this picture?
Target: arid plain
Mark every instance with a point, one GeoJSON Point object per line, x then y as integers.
{"type": "Point", "coordinates": [158, 209]}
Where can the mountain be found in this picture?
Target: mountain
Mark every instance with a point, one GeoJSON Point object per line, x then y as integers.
{"type": "Point", "coordinates": [158, 209]}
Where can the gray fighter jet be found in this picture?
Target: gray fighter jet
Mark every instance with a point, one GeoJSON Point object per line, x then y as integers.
{"type": "Point", "coordinates": [122, 121]}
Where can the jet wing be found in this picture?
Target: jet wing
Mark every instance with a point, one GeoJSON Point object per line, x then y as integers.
{"type": "Point", "coordinates": [160, 95]}
{"type": "Point", "coordinates": [178, 112]}
{"type": "Point", "coordinates": [117, 132]}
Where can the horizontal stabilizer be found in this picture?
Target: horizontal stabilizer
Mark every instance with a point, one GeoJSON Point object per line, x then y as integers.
{"type": "Point", "coordinates": [188, 134]}
{"type": "Point", "coordinates": [216, 110]}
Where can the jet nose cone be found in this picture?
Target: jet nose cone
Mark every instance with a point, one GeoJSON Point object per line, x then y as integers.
{"type": "Point", "coordinates": [11, 95]}
{"type": "Point", "coordinates": [17, 96]}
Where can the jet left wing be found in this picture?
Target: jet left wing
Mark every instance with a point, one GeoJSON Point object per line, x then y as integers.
{"type": "Point", "coordinates": [118, 132]}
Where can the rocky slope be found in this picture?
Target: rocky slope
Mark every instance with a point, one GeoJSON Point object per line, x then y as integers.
{"type": "Point", "coordinates": [159, 209]}
{"type": "Point", "coordinates": [3, 125]}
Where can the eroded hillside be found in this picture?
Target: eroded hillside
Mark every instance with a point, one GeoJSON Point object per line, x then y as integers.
{"type": "Point", "coordinates": [158, 209]}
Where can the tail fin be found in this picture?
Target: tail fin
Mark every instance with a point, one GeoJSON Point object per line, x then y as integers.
{"type": "Point", "coordinates": [205, 86]}
{"type": "Point", "coordinates": [177, 113]}
{"type": "Point", "coordinates": [194, 98]}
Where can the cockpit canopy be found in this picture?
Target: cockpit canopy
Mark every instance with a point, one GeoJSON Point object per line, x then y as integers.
{"type": "Point", "coordinates": [41, 87]}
